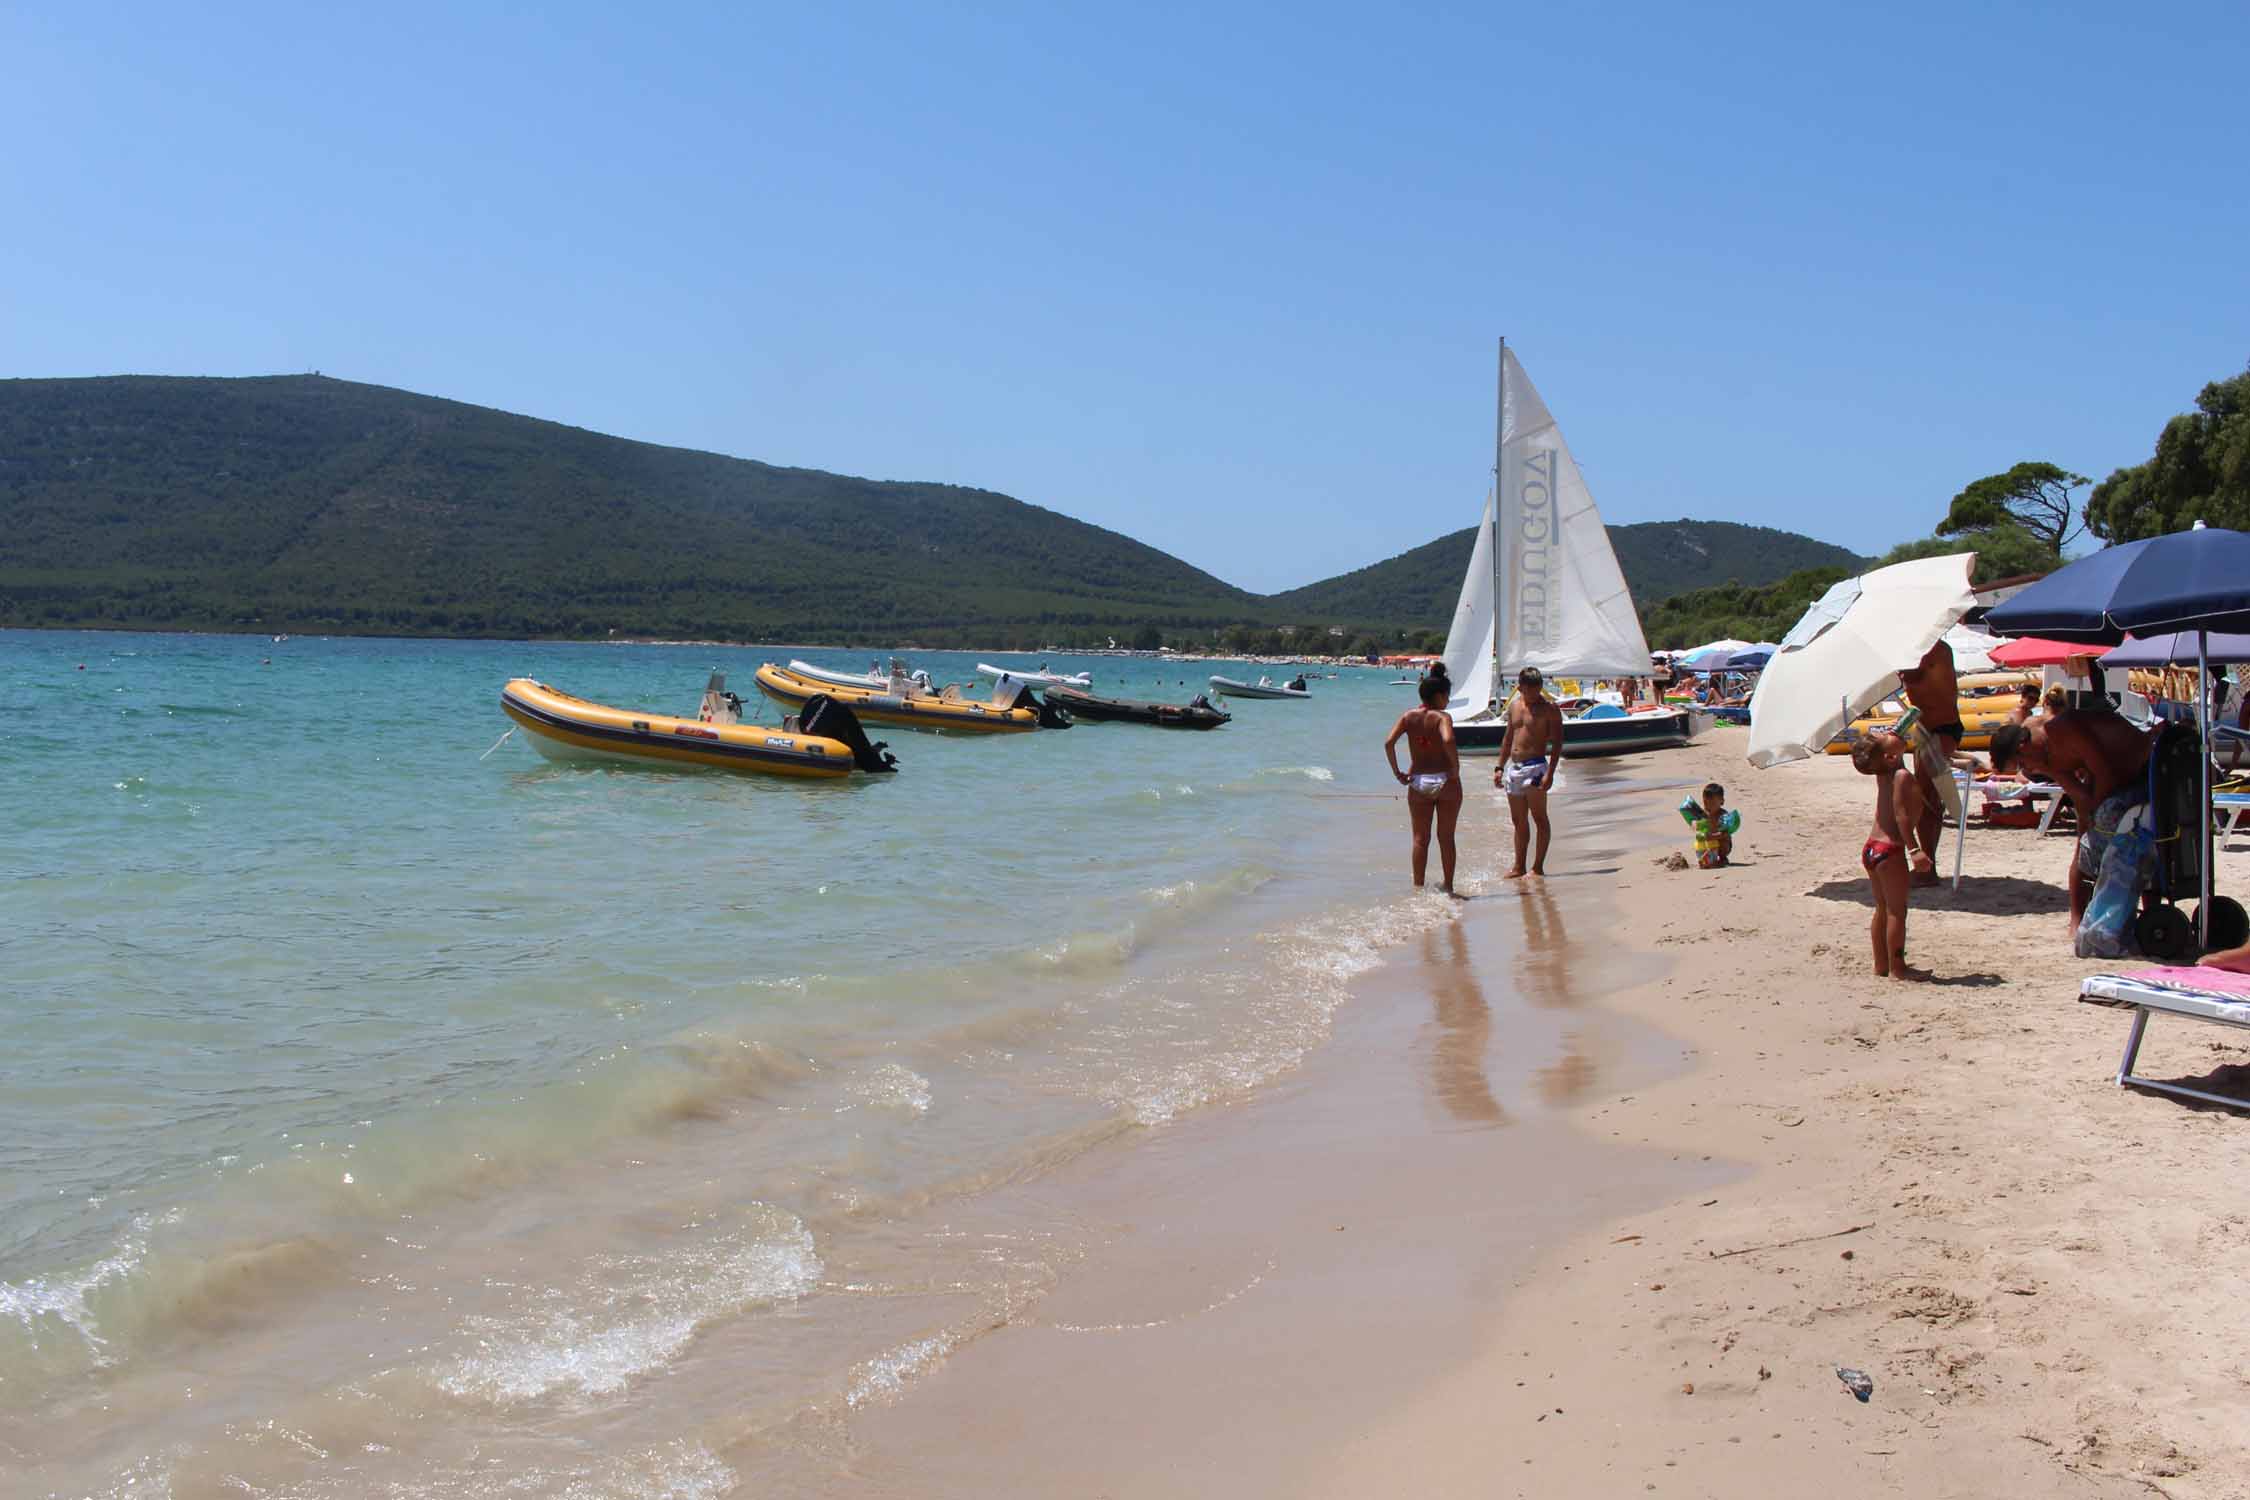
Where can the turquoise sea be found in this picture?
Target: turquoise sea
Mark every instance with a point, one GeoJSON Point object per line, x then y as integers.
{"type": "Point", "coordinates": [386, 1117]}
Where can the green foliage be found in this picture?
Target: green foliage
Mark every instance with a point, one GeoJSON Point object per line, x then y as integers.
{"type": "Point", "coordinates": [1659, 559]}
{"type": "Point", "coordinates": [1745, 613]}
{"type": "Point", "coordinates": [2035, 497]}
{"type": "Point", "coordinates": [2005, 550]}
{"type": "Point", "coordinates": [2199, 472]}
{"type": "Point", "coordinates": [305, 504]}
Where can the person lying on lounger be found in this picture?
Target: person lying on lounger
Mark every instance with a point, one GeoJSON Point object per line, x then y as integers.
{"type": "Point", "coordinates": [2236, 959]}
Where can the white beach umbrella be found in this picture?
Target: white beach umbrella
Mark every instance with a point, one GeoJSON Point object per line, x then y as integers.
{"type": "Point", "coordinates": [1972, 648]}
{"type": "Point", "coordinates": [1811, 691]}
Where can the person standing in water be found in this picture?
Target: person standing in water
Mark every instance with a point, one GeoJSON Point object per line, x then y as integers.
{"type": "Point", "coordinates": [1530, 754]}
{"type": "Point", "coordinates": [1433, 786]}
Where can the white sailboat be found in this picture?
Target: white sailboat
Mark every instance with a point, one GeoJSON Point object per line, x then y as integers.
{"type": "Point", "coordinates": [1544, 590]}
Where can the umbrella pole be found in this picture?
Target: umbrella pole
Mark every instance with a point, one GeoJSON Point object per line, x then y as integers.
{"type": "Point", "coordinates": [2203, 808]}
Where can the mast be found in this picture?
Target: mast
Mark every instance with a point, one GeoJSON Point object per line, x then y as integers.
{"type": "Point", "coordinates": [1500, 512]}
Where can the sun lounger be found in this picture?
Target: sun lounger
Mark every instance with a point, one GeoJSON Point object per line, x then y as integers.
{"type": "Point", "coordinates": [2215, 995]}
{"type": "Point", "coordinates": [2234, 807]}
{"type": "Point", "coordinates": [2037, 792]}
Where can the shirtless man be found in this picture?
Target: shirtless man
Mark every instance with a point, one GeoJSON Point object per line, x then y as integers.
{"type": "Point", "coordinates": [1898, 796]}
{"type": "Point", "coordinates": [2097, 759]}
{"type": "Point", "coordinates": [1932, 687]}
{"type": "Point", "coordinates": [1530, 754]}
{"type": "Point", "coordinates": [1433, 786]}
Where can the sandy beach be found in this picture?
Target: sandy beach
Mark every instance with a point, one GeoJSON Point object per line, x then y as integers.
{"type": "Point", "coordinates": [1592, 1196]}
{"type": "Point", "coordinates": [2039, 1270]}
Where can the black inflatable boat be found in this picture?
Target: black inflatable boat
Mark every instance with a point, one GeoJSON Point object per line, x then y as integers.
{"type": "Point", "coordinates": [1081, 704]}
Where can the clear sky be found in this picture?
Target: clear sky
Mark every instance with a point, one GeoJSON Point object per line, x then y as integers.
{"type": "Point", "coordinates": [1223, 277]}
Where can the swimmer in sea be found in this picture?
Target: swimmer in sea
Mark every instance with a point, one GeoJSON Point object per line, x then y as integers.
{"type": "Point", "coordinates": [1433, 786]}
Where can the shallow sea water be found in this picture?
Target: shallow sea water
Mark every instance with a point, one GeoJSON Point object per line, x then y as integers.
{"type": "Point", "coordinates": [383, 1120]}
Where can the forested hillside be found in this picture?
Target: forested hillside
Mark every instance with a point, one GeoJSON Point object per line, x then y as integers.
{"type": "Point", "coordinates": [303, 503]}
{"type": "Point", "coordinates": [299, 503]}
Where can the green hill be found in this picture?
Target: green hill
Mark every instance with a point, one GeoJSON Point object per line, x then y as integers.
{"type": "Point", "coordinates": [1659, 559]}
{"type": "Point", "coordinates": [303, 503]}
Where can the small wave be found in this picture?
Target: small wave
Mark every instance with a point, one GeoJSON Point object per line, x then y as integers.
{"type": "Point", "coordinates": [1310, 773]}
{"type": "Point", "coordinates": [893, 1086]}
{"type": "Point", "coordinates": [885, 1376]}
{"type": "Point", "coordinates": [630, 1315]}
{"type": "Point", "coordinates": [40, 1302]}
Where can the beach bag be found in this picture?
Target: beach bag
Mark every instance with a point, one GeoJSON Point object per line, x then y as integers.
{"type": "Point", "coordinates": [2106, 931]}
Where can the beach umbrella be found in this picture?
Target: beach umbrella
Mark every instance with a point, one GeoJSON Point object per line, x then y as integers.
{"type": "Point", "coordinates": [2037, 651]}
{"type": "Point", "coordinates": [1810, 692]}
{"type": "Point", "coordinates": [2186, 580]}
{"type": "Point", "coordinates": [2195, 581]}
{"type": "Point", "coordinates": [2177, 649]}
{"type": "Point", "coordinates": [1972, 648]}
{"type": "Point", "coordinates": [1825, 611]}
{"type": "Point", "coordinates": [1751, 658]}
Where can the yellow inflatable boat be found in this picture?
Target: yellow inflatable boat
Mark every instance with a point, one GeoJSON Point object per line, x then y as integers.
{"type": "Point", "coordinates": [826, 742]}
{"type": "Point", "coordinates": [1012, 709]}
{"type": "Point", "coordinates": [1988, 700]}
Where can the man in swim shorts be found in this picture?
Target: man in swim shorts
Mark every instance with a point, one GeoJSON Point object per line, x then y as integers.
{"type": "Point", "coordinates": [1932, 687]}
{"type": "Point", "coordinates": [1530, 754]}
{"type": "Point", "coordinates": [2097, 758]}
{"type": "Point", "coordinates": [1433, 785]}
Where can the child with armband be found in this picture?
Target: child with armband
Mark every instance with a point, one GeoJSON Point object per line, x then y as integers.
{"type": "Point", "coordinates": [1715, 825]}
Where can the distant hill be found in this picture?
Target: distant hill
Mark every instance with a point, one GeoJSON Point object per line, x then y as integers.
{"type": "Point", "coordinates": [301, 503]}
{"type": "Point", "coordinates": [304, 503]}
{"type": "Point", "coordinates": [1659, 559]}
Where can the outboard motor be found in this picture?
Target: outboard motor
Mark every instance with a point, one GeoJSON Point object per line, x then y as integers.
{"type": "Point", "coordinates": [825, 717]}
{"type": "Point", "coordinates": [719, 706]}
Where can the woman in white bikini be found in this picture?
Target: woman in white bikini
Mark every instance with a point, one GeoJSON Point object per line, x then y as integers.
{"type": "Point", "coordinates": [1433, 786]}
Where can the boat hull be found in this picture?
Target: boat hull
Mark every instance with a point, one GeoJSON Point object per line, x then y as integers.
{"type": "Point", "coordinates": [930, 715]}
{"type": "Point", "coordinates": [1234, 689]}
{"type": "Point", "coordinates": [1625, 734]}
{"type": "Point", "coordinates": [563, 728]}
{"type": "Point", "coordinates": [1081, 705]}
{"type": "Point", "coordinates": [1038, 679]}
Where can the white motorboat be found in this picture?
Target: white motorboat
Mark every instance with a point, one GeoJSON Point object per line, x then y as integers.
{"type": "Point", "coordinates": [1040, 678]}
{"type": "Point", "coordinates": [897, 680]}
{"type": "Point", "coordinates": [1264, 687]}
{"type": "Point", "coordinates": [1544, 590]}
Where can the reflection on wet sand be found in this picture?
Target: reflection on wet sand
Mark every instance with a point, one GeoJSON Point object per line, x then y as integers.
{"type": "Point", "coordinates": [1546, 968]}
{"type": "Point", "coordinates": [1548, 977]}
{"type": "Point", "coordinates": [1464, 1022]}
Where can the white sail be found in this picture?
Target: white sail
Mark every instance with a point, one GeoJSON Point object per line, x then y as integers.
{"type": "Point", "coordinates": [1564, 607]}
{"type": "Point", "coordinates": [1468, 645]}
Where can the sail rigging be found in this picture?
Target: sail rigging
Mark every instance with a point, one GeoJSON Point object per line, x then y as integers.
{"type": "Point", "coordinates": [1561, 603]}
{"type": "Point", "coordinates": [1469, 642]}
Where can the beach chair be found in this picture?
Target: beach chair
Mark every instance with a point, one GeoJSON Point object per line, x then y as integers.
{"type": "Point", "coordinates": [2232, 807]}
{"type": "Point", "coordinates": [2218, 996]}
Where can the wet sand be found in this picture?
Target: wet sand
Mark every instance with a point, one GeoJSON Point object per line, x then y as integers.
{"type": "Point", "coordinates": [1592, 1191]}
{"type": "Point", "coordinates": [1272, 1276]}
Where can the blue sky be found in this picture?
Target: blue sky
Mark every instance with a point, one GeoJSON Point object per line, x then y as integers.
{"type": "Point", "coordinates": [1224, 278]}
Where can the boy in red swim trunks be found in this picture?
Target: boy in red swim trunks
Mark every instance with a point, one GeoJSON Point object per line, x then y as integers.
{"type": "Point", "coordinates": [1898, 811]}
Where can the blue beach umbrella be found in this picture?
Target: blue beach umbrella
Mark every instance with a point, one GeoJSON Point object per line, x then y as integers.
{"type": "Point", "coordinates": [2178, 649]}
{"type": "Point", "coordinates": [1752, 659]}
{"type": "Point", "coordinates": [2188, 580]}
{"type": "Point", "coordinates": [2195, 581]}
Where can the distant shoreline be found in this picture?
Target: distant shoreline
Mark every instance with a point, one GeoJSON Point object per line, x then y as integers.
{"type": "Point", "coordinates": [1119, 653]}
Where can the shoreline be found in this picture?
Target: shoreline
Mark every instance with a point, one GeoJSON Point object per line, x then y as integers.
{"type": "Point", "coordinates": [1300, 1260]}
